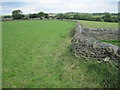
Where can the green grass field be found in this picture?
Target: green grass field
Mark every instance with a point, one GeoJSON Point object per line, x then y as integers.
{"type": "Point", "coordinates": [36, 54]}
{"type": "Point", "coordinates": [96, 24]}
{"type": "Point", "coordinates": [114, 42]}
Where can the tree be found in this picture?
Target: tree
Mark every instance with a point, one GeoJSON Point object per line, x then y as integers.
{"type": "Point", "coordinates": [33, 15]}
{"type": "Point", "coordinates": [8, 16]}
{"type": "Point", "coordinates": [82, 16]}
{"type": "Point", "coordinates": [66, 16]}
{"type": "Point", "coordinates": [46, 15]}
{"type": "Point", "coordinates": [94, 18]}
{"type": "Point", "coordinates": [59, 16]}
{"type": "Point", "coordinates": [17, 14]}
{"type": "Point", "coordinates": [107, 18]}
{"type": "Point", "coordinates": [76, 16]}
{"type": "Point", "coordinates": [40, 15]}
{"type": "Point", "coordinates": [115, 19]}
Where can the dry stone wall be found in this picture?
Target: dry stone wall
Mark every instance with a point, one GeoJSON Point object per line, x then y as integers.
{"type": "Point", "coordinates": [86, 43]}
{"type": "Point", "coordinates": [101, 34]}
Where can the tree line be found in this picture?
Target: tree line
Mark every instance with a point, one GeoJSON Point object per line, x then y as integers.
{"type": "Point", "coordinates": [107, 17]}
{"type": "Point", "coordinates": [17, 14]}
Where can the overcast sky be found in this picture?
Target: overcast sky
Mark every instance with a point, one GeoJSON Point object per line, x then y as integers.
{"type": "Point", "coordinates": [59, 6]}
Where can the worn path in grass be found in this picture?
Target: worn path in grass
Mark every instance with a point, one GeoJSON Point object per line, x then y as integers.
{"type": "Point", "coordinates": [36, 54]}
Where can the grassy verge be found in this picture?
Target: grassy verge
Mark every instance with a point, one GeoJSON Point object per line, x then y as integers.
{"type": "Point", "coordinates": [96, 24]}
{"type": "Point", "coordinates": [36, 54]}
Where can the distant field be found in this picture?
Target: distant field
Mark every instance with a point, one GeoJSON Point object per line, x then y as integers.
{"type": "Point", "coordinates": [95, 24]}
{"type": "Point", "coordinates": [36, 54]}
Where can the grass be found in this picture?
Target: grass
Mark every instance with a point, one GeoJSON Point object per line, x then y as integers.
{"type": "Point", "coordinates": [36, 54]}
{"type": "Point", "coordinates": [96, 24]}
{"type": "Point", "coordinates": [114, 42]}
